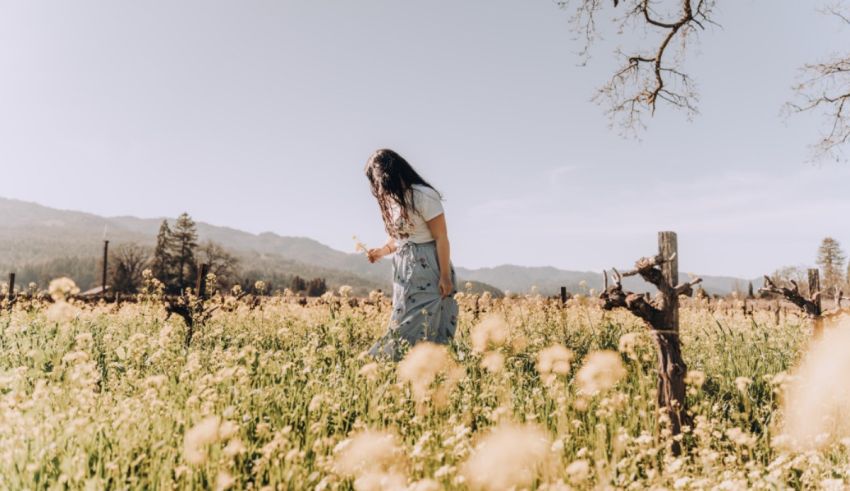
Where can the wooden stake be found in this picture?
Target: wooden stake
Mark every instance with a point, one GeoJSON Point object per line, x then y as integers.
{"type": "Point", "coordinates": [661, 314]}
{"type": "Point", "coordinates": [563, 295]}
{"type": "Point", "coordinates": [201, 285]}
{"type": "Point", "coordinates": [671, 366]}
{"type": "Point", "coordinates": [814, 288]}
{"type": "Point", "coordinates": [814, 293]}
{"type": "Point", "coordinates": [11, 293]}
{"type": "Point", "coordinates": [10, 296]}
{"type": "Point", "coordinates": [105, 265]}
{"type": "Point", "coordinates": [668, 247]}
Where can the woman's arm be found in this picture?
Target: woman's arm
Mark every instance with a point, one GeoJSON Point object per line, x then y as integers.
{"type": "Point", "coordinates": [375, 255]}
{"type": "Point", "coordinates": [437, 225]}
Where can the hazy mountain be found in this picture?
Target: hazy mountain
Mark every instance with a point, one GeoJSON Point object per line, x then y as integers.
{"type": "Point", "coordinates": [37, 241]}
{"type": "Point", "coordinates": [31, 234]}
{"type": "Point", "coordinates": [549, 280]}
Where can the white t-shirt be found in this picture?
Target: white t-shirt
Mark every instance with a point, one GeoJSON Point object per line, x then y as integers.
{"type": "Point", "coordinates": [427, 206]}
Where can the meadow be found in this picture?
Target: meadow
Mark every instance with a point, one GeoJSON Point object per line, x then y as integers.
{"type": "Point", "coordinates": [276, 393]}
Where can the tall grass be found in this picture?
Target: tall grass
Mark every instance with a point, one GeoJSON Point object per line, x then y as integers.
{"type": "Point", "coordinates": [274, 396]}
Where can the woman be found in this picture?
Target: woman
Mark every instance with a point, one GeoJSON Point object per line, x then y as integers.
{"type": "Point", "coordinates": [424, 308]}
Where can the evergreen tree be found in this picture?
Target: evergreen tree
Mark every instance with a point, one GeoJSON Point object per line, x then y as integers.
{"type": "Point", "coordinates": [298, 284]}
{"type": "Point", "coordinates": [831, 261]}
{"type": "Point", "coordinates": [316, 287]}
{"type": "Point", "coordinates": [163, 262]}
{"type": "Point", "coordinates": [184, 241]}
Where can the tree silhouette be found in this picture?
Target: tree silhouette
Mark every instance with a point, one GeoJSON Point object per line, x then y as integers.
{"type": "Point", "coordinates": [316, 287]}
{"type": "Point", "coordinates": [831, 261]}
{"type": "Point", "coordinates": [184, 241]}
{"type": "Point", "coordinates": [162, 266]}
{"type": "Point", "coordinates": [651, 72]}
{"type": "Point", "coordinates": [298, 284]}
{"type": "Point", "coordinates": [126, 263]}
{"type": "Point", "coordinates": [222, 263]}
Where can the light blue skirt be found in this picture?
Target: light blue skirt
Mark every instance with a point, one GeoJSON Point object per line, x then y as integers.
{"type": "Point", "coordinates": [419, 312]}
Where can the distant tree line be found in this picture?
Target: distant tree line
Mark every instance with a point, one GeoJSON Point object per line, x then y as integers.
{"type": "Point", "coordinates": [175, 258]}
{"type": "Point", "coordinates": [84, 270]}
{"type": "Point", "coordinates": [834, 270]}
{"type": "Point", "coordinates": [312, 288]}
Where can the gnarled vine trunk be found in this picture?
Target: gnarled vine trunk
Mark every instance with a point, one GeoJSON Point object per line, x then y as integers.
{"type": "Point", "coordinates": [661, 314]}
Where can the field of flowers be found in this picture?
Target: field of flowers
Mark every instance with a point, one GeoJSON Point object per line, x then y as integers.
{"type": "Point", "coordinates": [275, 393]}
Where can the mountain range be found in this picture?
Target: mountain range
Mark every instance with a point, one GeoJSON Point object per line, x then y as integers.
{"type": "Point", "coordinates": [33, 235]}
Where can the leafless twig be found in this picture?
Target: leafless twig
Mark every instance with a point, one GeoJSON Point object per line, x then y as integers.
{"type": "Point", "coordinates": [650, 74]}
{"type": "Point", "coordinates": [825, 88]}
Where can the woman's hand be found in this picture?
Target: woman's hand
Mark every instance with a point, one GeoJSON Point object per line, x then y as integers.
{"type": "Point", "coordinates": [446, 286]}
{"type": "Point", "coordinates": [375, 255]}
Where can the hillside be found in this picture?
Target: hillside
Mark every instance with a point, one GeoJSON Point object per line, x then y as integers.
{"type": "Point", "coordinates": [548, 280]}
{"type": "Point", "coordinates": [33, 235]}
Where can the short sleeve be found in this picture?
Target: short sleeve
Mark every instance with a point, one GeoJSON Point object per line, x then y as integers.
{"type": "Point", "coordinates": [428, 204]}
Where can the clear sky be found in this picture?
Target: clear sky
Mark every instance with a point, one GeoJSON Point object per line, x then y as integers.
{"type": "Point", "coordinates": [260, 115]}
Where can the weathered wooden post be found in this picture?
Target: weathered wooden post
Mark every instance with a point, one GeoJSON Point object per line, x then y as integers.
{"type": "Point", "coordinates": [10, 295]}
{"type": "Point", "coordinates": [563, 295]}
{"type": "Point", "coordinates": [201, 284]}
{"type": "Point", "coordinates": [105, 268]}
{"type": "Point", "coordinates": [661, 315]}
{"type": "Point", "coordinates": [814, 293]}
{"type": "Point", "coordinates": [672, 367]}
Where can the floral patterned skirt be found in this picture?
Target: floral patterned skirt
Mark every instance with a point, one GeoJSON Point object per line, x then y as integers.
{"type": "Point", "coordinates": [419, 312]}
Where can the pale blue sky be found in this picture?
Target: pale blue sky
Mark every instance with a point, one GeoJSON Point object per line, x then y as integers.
{"type": "Point", "coordinates": [260, 115]}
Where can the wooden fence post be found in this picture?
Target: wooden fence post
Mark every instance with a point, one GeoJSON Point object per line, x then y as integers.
{"type": "Point", "coordinates": [668, 248]}
{"type": "Point", "coordinates": [661, 314]}
{"type": "Point", "coordinates": [10, 296]}
{"type": "Point", "coordinates": [105, 268]}
{"type": "Point", "coordinates": [814, 294]}
{"type": "Point", "coordinates": [201, 284]}
{"type": "Point", "coordinates": [814, 287]}
{"type": "Point", "coordinates": [672, 368]}
{"type": "Point", "coordinates": [563, 295]}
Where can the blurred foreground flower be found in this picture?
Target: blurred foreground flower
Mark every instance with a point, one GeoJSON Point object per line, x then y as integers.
{"type": "Point", "coordinates": [490, 333]}
{"type": "Point", "coordinates": [818, 396]}
{"type": "Point", "coordinates": [425, 365]}
{"type": "Point", "coordinates": [510, 456]}
{"type": "Point", "coordinates": [601, 371]}
{"type": "Point", "coordinates": [553, 361]}
{"type": "Point", "coordinates": [198, 438]}
{"type": "Point", "coordinates": [373, 459]}
{"type": "Point", "coordinates": [61, 288]}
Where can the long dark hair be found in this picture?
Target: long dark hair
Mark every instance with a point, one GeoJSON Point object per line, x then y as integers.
{"type": "Point", "coordinates": [391, 178]}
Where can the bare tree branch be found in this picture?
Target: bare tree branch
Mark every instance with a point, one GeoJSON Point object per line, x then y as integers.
{"type": "Point", "coordinates": [839, 10]}
{"type": "Point", "coordinates": [649, 74]}
{"type": "Point", "coordinates": [825, 89]}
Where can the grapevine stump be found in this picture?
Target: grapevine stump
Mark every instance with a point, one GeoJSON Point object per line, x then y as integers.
{"type": "Point", "coordinates": [661, 315]}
